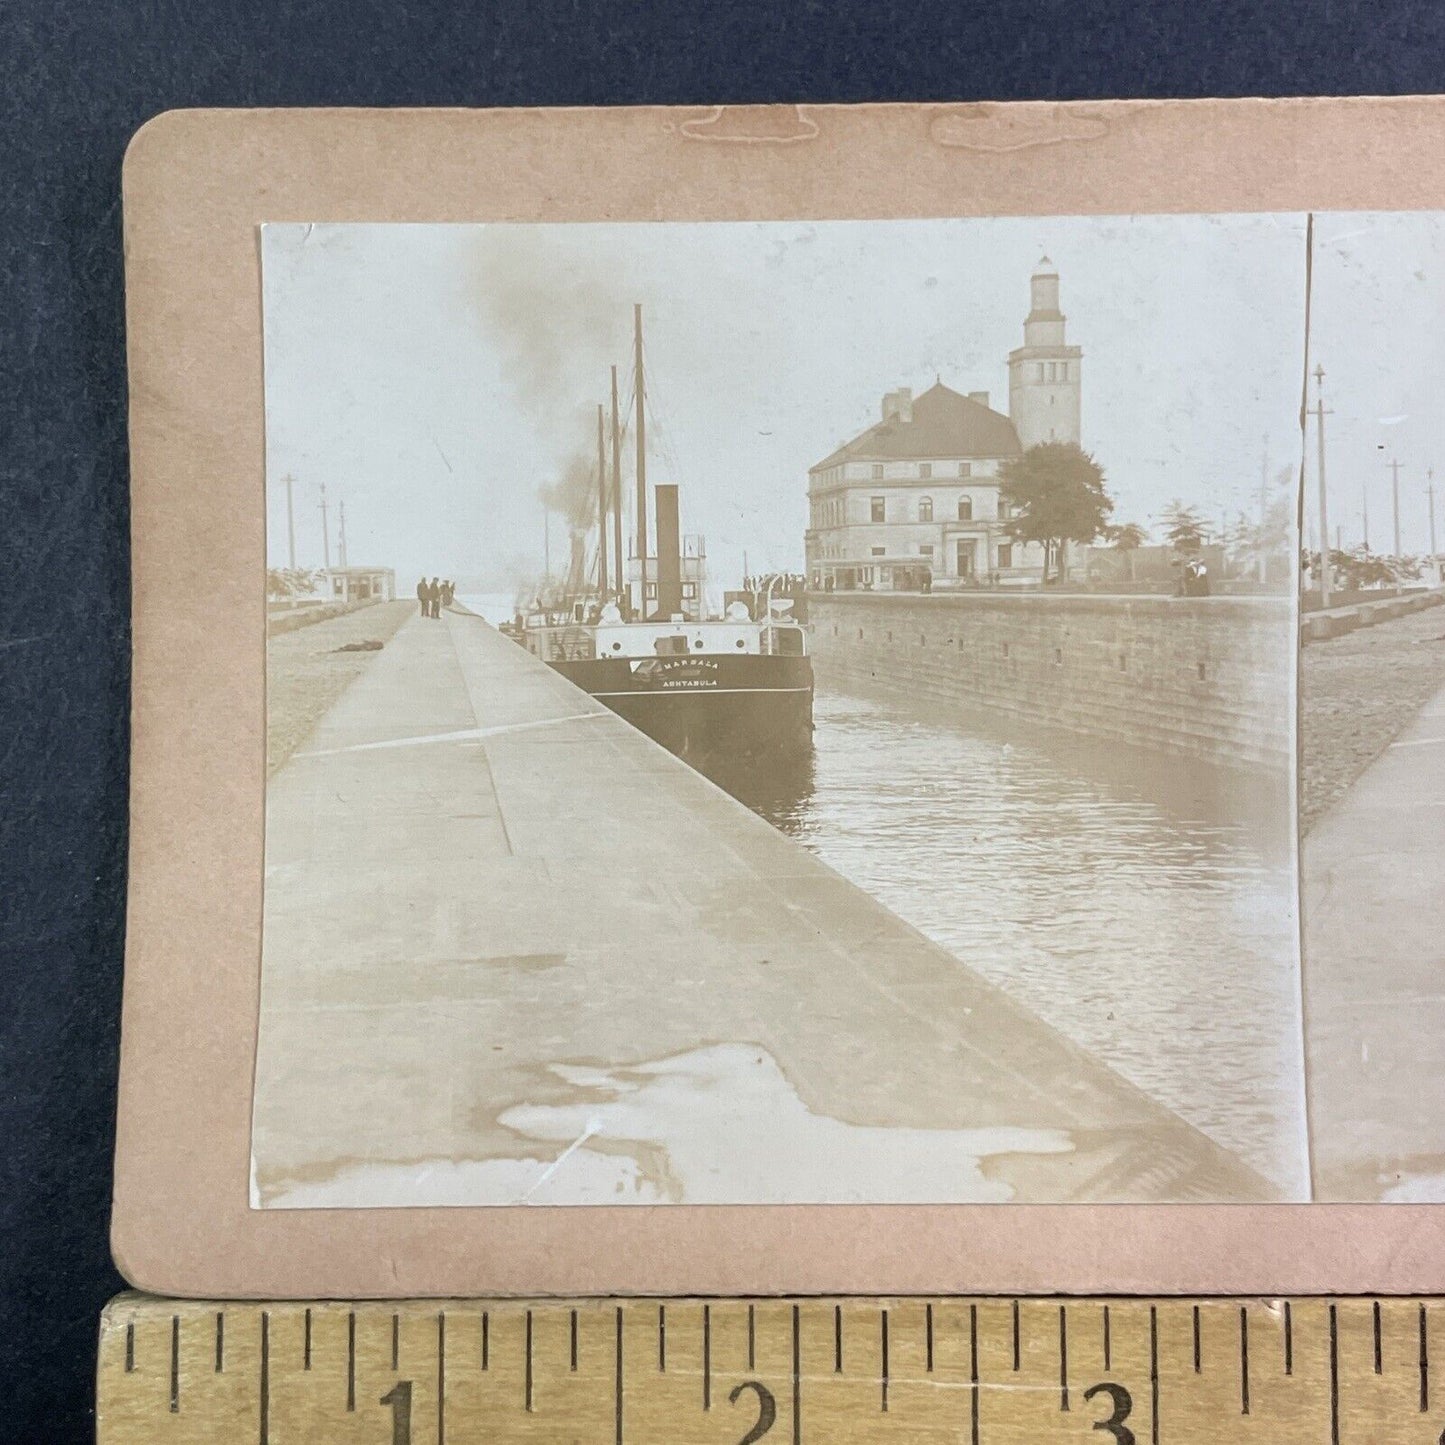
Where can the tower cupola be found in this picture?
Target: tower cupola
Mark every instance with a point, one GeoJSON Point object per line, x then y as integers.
{"type": "Point", "coordinates": [1045, 372]}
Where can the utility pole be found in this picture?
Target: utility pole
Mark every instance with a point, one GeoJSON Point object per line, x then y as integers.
{"type": "Point", "coordinates": [1430, 493]}
{"type": "Point", "coordinates": [602, 509]}
{"type": "Point", "coordinates": [325, 531]}
{"type": "Point", "coordinates": [1263, 509]}
{"type": "Point", "coordinates": [1395, 497]}
{"type": "Point", "coordinates": [1320, 414]}
{"type": "Point", "coordinates": [1365, 513]}
{"type": "Point", "coordinates": [341, 541]}
{"type": "Point", "coordinates": [290, 526]}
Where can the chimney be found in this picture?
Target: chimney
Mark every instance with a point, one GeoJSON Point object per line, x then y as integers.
{"type": "Point", "coordinates": [898, 405]}
{"type": "Point", "coordinates": [981, 397]}
{"type": "Point", "coordinates": [669, 552]}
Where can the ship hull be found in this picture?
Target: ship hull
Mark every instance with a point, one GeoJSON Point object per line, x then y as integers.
{"type": "Point", "coordinates": [706, 706]}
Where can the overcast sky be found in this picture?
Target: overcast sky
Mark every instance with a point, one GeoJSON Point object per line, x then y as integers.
{"type": "Point", "coordinates": [440, 377]}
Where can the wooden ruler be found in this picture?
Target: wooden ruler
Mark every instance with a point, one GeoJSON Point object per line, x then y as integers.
{"type": "Point", "coordinates": [733, 1372]}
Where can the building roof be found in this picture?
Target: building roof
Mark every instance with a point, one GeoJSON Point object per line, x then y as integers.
{"type": "Point", "coordinates": [945, 424]}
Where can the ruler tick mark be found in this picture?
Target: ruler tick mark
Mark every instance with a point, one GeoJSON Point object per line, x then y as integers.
{"type": "Point", "coordinates": [617, 1387]}
{"type": "Point", "coordinates": [1289, 1337]}
{"type": "Point", "coordinates": [1108, 1353]}
{"type": "Point", "coordinates": [752, 1341]}
{"type": "Point", "coordinates": [175, 1364]}
{"type": "Point", "coordinates": [527, 1389]}
{"type": "Point", "coordinates": [395, 1342]}
{"type": "Point", "coordinates": [351, 1361]}
{"type": "Point", "coordinates": [1379, 1360]}
{"type": "Point", "coordinates": [220, 1341]}
{"type": "Point", "coordinates": [1063, 1359]}
{"type": "Point", "coordinates": [928, 1332]}
{"type": "Point", "coordinates": [265, 1406]}
{"type": "Point", "coordinates": [130, 1347]}
{"type": "Point", "coordinates": [1196, 1340]}
{"type": "Point", "coordinates": [574, 1342]}
{"type": "Point", "coordinates": [797, 1380]}
{"type": "Point", "coordinates": [486, 1338]}
{"type": "Point", "coordinates": [306, 1343]}
{"type": "Point", "coordinates": [1016, 1334]}
{"type": "Point", "coordinates": [883, 1343]}
{"type": "Point", "coordinates": [1424, 1364]}
{"type": "Point", "coordinates": [1334, 1378]}
{"type": "Point", "coordinates": [442, 1377]}
{"type": "Point", "coordinates": [973, 1373]}
{"type": "Point", "coordinates": [707, 1357]}
{"type": "Point", "coordinates": [1243, 1360]}
{"type": "Point", "coordinates": [1154, 1374]}
{"type": "Point", "coordinates": [837, 1339]}
{"type": "Point", "coordinates": [662, 1338]}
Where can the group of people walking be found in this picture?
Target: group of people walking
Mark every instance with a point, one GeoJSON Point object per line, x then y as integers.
{"type": "Point", "coordinates": [434, 595]}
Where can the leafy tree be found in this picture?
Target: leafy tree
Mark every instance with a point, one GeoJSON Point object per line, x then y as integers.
{"type": "Point", "coordinates": [1127, 538]}
{"type": "Point", "coordinates": [284, 582]}
{"type": "Point", "coordinates": [1184, 528]}
{"type": "Point", "coordinates": [1055, 492]}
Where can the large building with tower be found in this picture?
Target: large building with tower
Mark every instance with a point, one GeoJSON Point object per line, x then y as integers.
{"type": "Point", "coordinates": [917, 495]}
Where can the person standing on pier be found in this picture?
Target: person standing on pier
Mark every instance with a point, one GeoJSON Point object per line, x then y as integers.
{"type": "Point", "coordinates": [423, 597]}
{"type": "Point", "coordinates": [434, 596]}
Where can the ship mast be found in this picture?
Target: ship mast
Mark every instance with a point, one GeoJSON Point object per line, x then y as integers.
{"type": "Point", "coordinates": [601, 509]}
{"type": "Point", "coordinates": [641, 460]}
{"type": "Point", "coordinates": [617, 486]}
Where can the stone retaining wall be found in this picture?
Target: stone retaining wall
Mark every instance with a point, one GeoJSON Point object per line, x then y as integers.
{"type": "Point", "coordinates": [1208, 677]}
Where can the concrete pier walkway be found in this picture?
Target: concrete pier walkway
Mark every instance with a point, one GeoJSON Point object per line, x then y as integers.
{"type": "Point", "coordinates": [514, 950]}
{"type": "Point", "coordinates": [1374, 975]}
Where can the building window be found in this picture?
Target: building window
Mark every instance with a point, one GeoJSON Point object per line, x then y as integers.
{"type": "Point", "coordinates": [879, 551]}
{"type": "Point", "coordinates": [925, 509]}
{"type": "Point", "coordinates": [1005, 556]}
{"type": "Point", "coordinates": [925, 549]}
{"type": "Point", "coordinates": [925, 469]}
{"type": "Point", "coordinates": [652, 591]}
{"type": "Point", "coordinates": [965, 469]}
{"type": "Point", "coordinates": [877, 469]}
{"type": "Point", "coordinates": [1040, 371]}
{"type": "Point", "coordinates": [965, 509]}
{"type": "Point", "coordinates": [875, 509]}
{"type": "Point", "coordinates": [689, 590]}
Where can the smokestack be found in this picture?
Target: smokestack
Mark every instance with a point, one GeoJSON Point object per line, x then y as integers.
{"type": "Point", "coordinates": [669, 552]}
{"type": "Point", "coordinates": [577, 563]}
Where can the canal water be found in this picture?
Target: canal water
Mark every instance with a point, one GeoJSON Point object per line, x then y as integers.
{"type": "Point", "coordinates": [1143, 906]}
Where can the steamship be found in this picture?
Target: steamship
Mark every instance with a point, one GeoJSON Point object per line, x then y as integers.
{"type": "Point", "coordinates": [739, 685]}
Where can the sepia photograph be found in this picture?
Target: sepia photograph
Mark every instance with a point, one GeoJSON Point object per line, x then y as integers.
{"type": "Point", "coordinates": [1372, 687]}
{"type": "Point", "coordinates": [809, 713]}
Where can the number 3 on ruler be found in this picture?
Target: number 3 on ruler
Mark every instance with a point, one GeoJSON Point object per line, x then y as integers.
{"type": "Point", "coordinates": [399, 1398]}
{"type": "Point", "coordinates": [1123, 1403]}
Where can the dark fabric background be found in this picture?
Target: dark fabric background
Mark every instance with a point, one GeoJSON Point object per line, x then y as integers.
{"type": "Point", "coordinates": [76, 80]}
